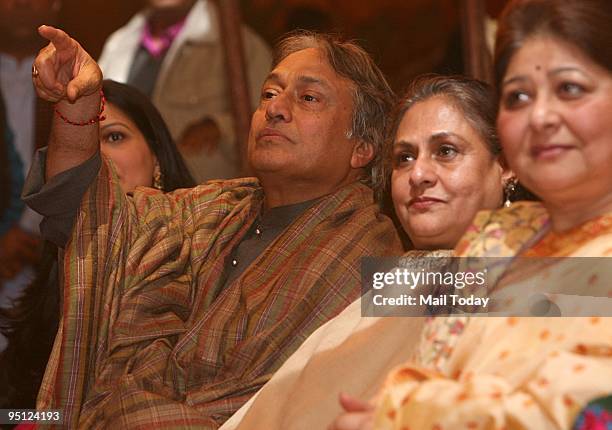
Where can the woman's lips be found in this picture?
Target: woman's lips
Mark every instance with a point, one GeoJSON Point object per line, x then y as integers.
{"type": "Point", "coordinates": [547, 152]}
{"type": "Point", "coordinates": [423, 203]}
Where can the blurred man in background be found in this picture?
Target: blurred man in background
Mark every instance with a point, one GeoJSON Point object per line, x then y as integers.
{"type": "Point", "coordinates": [172, 51]}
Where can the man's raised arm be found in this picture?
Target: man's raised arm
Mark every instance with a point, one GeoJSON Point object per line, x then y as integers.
{"type": "Point", "coordinates": [65, 74]}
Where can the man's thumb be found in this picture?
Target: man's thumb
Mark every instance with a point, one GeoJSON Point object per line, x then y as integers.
{"type": "Point", "coordinates": [80, 87]}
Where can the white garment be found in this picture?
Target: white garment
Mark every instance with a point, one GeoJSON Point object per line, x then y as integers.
{"type": "Point", "coordinates": [120, 48]}
{"type": "Point", "coordinates": [350, 354]}
{"type": "Point", "coordinates": [193, 81]}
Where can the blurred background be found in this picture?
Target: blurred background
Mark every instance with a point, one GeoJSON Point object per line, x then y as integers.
{"type": "Point", "coordinates": [406, 37]}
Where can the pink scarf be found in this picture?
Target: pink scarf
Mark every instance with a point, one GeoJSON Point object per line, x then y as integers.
{"type": "Point", "coordinates": [157, 46]}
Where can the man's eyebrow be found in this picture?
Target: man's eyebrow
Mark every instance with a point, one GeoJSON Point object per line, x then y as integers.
{"type": "Point", "coordinates": [273, 76]}
{"type": "Point", "coordinates": [306, 79]}
{"type": "Point", "coordinates": [303, 79]}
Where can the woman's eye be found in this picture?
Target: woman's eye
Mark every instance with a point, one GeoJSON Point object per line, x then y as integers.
{"type": "Point", "coordinates": [114, 136]}
{"type": "Point", "coordinates": [515, 98]}
{"type": "Point", "coordinates": [447, 151]}
{"type": "Point", "coordinates": [571, 89]}
{"type": "Point", "coordinates": [404, 158]}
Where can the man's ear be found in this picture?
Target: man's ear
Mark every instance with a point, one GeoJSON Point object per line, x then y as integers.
{"type": "Point", "coordinates": [363, 153]}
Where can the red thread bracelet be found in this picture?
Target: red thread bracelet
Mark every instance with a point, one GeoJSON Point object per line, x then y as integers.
{"type": "Point", "coordinates": [99, 117]}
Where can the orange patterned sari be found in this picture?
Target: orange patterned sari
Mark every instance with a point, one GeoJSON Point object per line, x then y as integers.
{"type": "Point", "coordinates": [508, 373]}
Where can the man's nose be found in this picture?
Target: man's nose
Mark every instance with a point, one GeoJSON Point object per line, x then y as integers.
{"type": "Point", "coordinates": [278, 108]}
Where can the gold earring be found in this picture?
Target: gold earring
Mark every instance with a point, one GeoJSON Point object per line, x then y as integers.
{"type": "Point", "coordinates": [509, 190]}
{"type": "Point", "coordinates": [158, 182]}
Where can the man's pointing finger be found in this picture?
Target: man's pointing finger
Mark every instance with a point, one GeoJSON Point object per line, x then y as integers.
{"type": "Point", "coordinates": [57, 37]}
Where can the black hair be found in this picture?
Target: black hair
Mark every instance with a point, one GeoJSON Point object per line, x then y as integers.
{"type": "Point", "coordinates": [150, 123]}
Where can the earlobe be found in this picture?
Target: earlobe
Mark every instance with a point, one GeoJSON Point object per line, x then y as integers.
{"type": "Point", "coordinates": [506, 171]}
{"type": "Point", "coordinates": [363, 153]}
{"type": "Point", "coordinates": [507, 175]}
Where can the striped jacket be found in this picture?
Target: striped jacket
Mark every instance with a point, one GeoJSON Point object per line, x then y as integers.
{"type": "Point", "coordinates": [148, 334]}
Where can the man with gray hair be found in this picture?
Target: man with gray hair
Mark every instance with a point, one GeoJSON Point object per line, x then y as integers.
{"type": "Point", "coordinates": [178, 307]}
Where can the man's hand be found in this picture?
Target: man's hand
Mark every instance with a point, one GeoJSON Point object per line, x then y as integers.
{"type": "Point", "coordinates": [64, 73]}
{"type": "Point", "coordinates": [357, 415]}
{"type": "Point", "coordinates": [63, 70]}
{"type": "Point", "coordinates": [201, 136]}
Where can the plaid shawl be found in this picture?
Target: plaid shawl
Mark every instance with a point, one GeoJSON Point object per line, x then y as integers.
{"type": "Point", "coordinates": [148, 334]}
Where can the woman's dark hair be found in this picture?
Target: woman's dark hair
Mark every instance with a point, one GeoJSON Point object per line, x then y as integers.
{"type": "Point", "coordinates": [150, 123]}
{"type": "Point", "coordinates": [31, 324]}
{"type": "Point", "coordinates": [474, 98]}
{"type": "Point", "coordinates": [582, 23]}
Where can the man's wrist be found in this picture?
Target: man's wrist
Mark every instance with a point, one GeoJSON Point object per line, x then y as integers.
{"type": "Point", "coordinates": [81, 111]}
